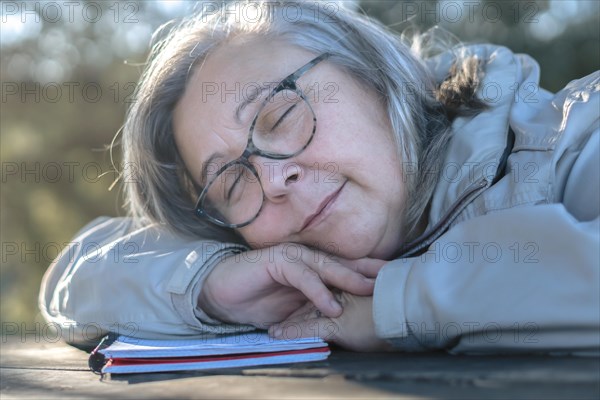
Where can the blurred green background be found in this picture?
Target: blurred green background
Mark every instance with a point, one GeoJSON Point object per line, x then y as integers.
{"type": "Point", "coordinates": [68, 71]}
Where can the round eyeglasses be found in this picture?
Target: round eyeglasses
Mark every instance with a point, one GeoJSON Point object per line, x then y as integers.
{"type": "Point", "coordinates": [282, 128]}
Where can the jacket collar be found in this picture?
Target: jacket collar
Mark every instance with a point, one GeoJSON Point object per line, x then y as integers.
{"type": "Point", "coordinates": [479, 145]}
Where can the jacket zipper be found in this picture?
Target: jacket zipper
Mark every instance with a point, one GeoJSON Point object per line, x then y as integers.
{"type": "Point", "coordinates": [442, 225]}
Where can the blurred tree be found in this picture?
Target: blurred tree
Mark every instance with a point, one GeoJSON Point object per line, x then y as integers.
{"type": "Point", "coordinates": [563, 36]}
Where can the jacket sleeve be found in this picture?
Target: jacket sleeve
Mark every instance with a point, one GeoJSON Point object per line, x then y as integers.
{"type": "Point", "coordinates": [139, 282]}
{"type": "Point", "coordinates": [492, 286]}
{"type": "Point", "coordinates": [520, 279]}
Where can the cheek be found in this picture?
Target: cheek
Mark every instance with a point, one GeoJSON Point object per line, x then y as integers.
{"type": "Point", "coordinates": [263, 232]}
{"type": "Point", "coordinates": [250, 236]}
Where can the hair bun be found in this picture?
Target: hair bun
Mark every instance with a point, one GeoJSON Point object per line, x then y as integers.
{"type": "Point", "coordinates": [457, 93]}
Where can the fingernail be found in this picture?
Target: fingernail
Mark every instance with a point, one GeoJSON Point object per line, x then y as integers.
{"type": "Point", "coordinates": [370, 281]}
{"type": "Point", "coordinates": [335, 306]}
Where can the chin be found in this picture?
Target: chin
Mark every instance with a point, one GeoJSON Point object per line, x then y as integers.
{"type": "Point", "coordinates": [352, 247]}
{"type": "Point", "coordinates": [359, 239]}
{"type": "Point", "coordinates": [348, 252]}
{"type": "Point", "coordinates": [371, 244]}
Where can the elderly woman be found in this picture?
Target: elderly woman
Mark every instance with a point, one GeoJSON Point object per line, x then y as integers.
{"type": "Point", "coordinates": [318, 175]}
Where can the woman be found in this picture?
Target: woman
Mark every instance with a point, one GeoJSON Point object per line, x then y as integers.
{"type": "Point", "coordinates": [317, 176]}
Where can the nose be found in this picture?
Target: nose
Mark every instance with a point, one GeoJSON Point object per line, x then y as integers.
{"type": "Point", "coordinates": [278, 177]}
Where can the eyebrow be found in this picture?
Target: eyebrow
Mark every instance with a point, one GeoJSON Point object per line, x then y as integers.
{"type": "Point", "coordinates": [253, 94]}
{"type": "Point", "coordinates": [204, 172]}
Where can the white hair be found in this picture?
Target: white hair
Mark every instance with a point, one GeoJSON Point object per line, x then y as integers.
{"type": "Point", "coordinates": [419, 111]}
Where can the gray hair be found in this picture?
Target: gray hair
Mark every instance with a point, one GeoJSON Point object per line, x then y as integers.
{"type": "Point", "coordinates": [420, 112]}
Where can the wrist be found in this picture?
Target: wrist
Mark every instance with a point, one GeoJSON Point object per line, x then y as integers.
{"type": "Point", "coordinates": [209, 303]}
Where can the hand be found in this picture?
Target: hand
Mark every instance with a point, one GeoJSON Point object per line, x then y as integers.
{"type": "Point", "coordinates": [265, 286]}
{"type": "Point", "coordinates": [354, 329]}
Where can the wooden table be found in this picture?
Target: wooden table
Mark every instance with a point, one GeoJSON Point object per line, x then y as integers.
{"type": "Point", "coordinates": [30, 370]}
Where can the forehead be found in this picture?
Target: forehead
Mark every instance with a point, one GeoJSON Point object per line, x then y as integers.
{"type": "Point", "coordinates": [234, 70]}
{"type": "Point", "coordinates": [252, 60]}
{"type": "Point", "coordinates": [204, 118]}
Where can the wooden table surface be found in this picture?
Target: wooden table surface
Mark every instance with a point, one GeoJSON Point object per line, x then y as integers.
{"type": "Point", "coordinates": [39, 370]}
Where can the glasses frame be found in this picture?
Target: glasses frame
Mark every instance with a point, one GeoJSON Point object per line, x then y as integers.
{"type": "Point", "coordinates": [288, 83]}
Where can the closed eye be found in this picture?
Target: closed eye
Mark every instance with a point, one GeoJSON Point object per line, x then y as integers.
{"type": "Point", "coordinates": [282, 117]}
{"type": "Point", "coordinates": [233, 186]}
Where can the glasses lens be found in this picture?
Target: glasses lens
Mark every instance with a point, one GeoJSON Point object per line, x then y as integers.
{"type": "Point", "coordinates": [234, 197]}
{"type": "Point", "coordinates": [284, 125]}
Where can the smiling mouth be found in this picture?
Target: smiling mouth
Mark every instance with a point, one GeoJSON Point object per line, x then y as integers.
{"type": "Point", "coordinates": [323, 208]}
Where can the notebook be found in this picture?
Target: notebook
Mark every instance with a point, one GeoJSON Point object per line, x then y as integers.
{"type": "Point", "coordinates": [124, 355]}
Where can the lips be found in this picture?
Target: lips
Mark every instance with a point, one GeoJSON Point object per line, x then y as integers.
{"type": "Point", "coordinates": [323, 207]}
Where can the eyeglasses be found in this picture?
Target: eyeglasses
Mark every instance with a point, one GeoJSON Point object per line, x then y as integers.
{"type": "Point", "coordinates": [282, 128]}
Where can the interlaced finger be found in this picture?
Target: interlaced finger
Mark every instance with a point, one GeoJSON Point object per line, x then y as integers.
{"type": "Point", "coordinates": [368, 267]}
{"type": "Point", "coordinates": [344, 274]}
{"type": "Point", "coordinates": [310, 325]}
{"type": "Point", "coordinates": [303, 278]}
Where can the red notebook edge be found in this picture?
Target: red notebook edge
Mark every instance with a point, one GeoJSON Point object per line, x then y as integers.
{"type": "Point", "coordinates": [195, 359]}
